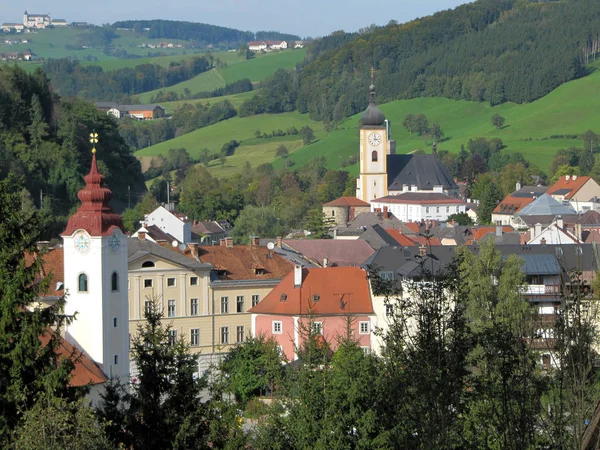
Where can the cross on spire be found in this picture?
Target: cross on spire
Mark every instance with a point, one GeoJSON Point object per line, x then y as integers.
{"type": "Point", "coordinates": [372, 74]}
{"type": "Point", "coordinates": [94, 140]}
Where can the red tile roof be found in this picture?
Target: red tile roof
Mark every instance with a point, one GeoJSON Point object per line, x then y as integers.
{"type": "Point", "coordinates": [511, 205]}
{"type": "Point", "coordinates": [422, 240]}
{"type": "Point", "coordinates": [86, 371]}
{"type": "Point", "coordinates": [480, 232]}
{"type": "Point", "coordinates": [402, 239]}
{"type": "Point", "coordinates": [340, 291]}
{"type": "Point", "coordinates": [347, 201]}
{"type": "Point", "coordinates": [413, 226]}
{"type": "Point", "coordinates": [53, 266]}
{"type": "Point", "coordinates": [338, 252]}
{"type": "Point", "coordinates": [571, 184]}
{"type": "Point", "coordinates": [240, 260]}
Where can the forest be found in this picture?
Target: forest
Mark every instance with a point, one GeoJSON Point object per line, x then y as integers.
{"type": "Point", "coordinates": [201, 33]}
{"type": "Point", "coordinates": [491, 50]}
{"type": "Point", "coordinates": [70, 79]}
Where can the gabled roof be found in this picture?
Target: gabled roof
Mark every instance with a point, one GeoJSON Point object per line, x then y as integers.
{"type": "Point", "coordinates": [377, 237]}
{"type": "Point", "coordinates": [424, 171]}
{"type": "Point", "coordinates": [337, 252]}
{"type": "Point", "coordinates": [238, 262]}
{"type": "Point", "coordinates": [366, 219]}
{"type": "Point", "coordinates": [545, 205]}
{"type": "Point", "coordinates": [207, 227]}
{"type": "Point", "coordinates": [53, 266]}
{"type": "Point", "coordinates": [347, 201]}
{"type": "Point", "coordinates": [420, 198]}
{"type": "Point", "coordinates": [400, 238]}
{"type": "Point", "coordinates": [568, 186]}
{"type": "Point", "coordinates": [512, 204]}
{"type": "Point", "coordinates": [480, 232]}
{"type": "Point", "coordinates": [339, 291]}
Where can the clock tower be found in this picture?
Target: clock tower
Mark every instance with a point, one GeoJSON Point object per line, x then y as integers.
{"type": "Point", "coordinates": [95, 277]}
{"type": "Point", "coordinates": [374, 148]}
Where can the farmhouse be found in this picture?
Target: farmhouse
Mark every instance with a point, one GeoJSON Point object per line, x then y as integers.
{"type": "Point", "coordinates": [59, 23]}
{"type": "Point", "coordinates": [257, 46]}
{"type": "Point", "coordinates": [140, 112]}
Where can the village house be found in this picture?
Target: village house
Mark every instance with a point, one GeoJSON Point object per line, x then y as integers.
{"type": "Point", "coordinates": [414, 206]}
{"type": "Point", "coordinates": [59, 23]}
{"type": "Point", "coordinates": [140, 112]}
{"type": "Point", "coordinates": [334, 302]}
{"type": "Point", "coordinates": [8, 26]}
{"type": "Point", "coordinates": [513, 203]}
{"type": "Point", "coordinates": [581, 192]}
{"type": "Point", "coordinates": [210, 232]}
{"type": "Point", "coordinates": [257, 46]}
{"type": "Point", "coordinates": [173, 223]}
{"type": "Point", "coordinates": [344, 209]}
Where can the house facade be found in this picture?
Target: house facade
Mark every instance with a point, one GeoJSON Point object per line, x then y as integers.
{"type": "Point", "coordinates": [581, 192]}
{"type": "Point", "coordinates": [36, 20]}
{"type": "Point", "coordinates": [418, 206]}
{"type": "Point", "coordinates": [333, 301]}
{"type": "Point", "coordinates": [176, 224]}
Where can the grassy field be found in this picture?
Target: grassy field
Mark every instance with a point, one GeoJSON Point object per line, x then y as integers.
{"type": "Point", "coordinates": [235, 99]}
{"type": "Point", "coordinates": [255, 69]}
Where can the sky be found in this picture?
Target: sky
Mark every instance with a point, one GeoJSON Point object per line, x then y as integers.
{"type": "Point", "coordinates": [306, 18]}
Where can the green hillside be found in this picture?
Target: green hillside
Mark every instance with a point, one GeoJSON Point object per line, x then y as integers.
{"type": "Point", "coordinates": [255, 70]}
{"type": "Point", "coordinates": [570, 109]}
{"type": "Point", "coordinates": [235, 99]}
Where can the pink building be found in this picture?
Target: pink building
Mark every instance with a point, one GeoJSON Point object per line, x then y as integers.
{"type": "Point", "coordinates": [337, 299]}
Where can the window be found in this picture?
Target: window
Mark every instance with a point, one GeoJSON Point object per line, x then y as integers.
{"type": "Point", "coordinates": [148, 307]}
{"type": "Point", "coordinates": [277, 327]}
{"type": "Point", "coordinates": [240, 303]}
{"type": "Point", "coordinates": [447, 209]}
{"type": "Point", "coordinates": [147, 283]}
{"type": "Point", "coordinates": [147, 264]}
{"type": "Point", "coordinates": [193, 281]}
{"type": "Point", "coordinates": [83, 283]}
{"type": "Point", "coordinates": [224, 335]}
{"type": "Point", "coordinates": [171, 309]}
{"type": "Point", "coordinates": [427, 210]}
{"type": "Point", "coordinates": [389, 310]}
{"type": "Point", "coordinates": [195, 337]}
{"type": "Point", "coordinates": [364, 328]}
{"type": "Point", "coordinates": [255, 300]}
{"type": "Point", "coordinates": [240, 334]}
{"type": "Point", "coordinates": [366, 350]}
{"type": "Point", "coordinates": [224, 305]}
{"type": "Point", "coordinates": [170, 282]}
{"type": "Point", "coordinates": [437, 209]}
{"type": "Point", "coordinates": [172, 337]}
{"type": "Point", "coordinates": [115, 322]}
{"type": "Point", "coordinates": [114, 281]}
{"type": "Point", "coordinates": [194, 307]}
{"type": "Point", "coordinates": [317, 327]}
{"type": "Point", "coordinates": [374, 156]}
{"type": "Point", "coordinates": [332, 213]}
{"type": "Point", "coordinates": [116, 360]}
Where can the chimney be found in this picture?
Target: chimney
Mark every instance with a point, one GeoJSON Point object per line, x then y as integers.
{"type": "Point", "coordinates": [325, 262]}
{"type": "Point", "coordinates": [229, 242]}
{"type": "Point", "coordinates": [297, 276]}
{"type": "Point", "coordinates": [567, 177]}
{"type": "Point", "coordinates": [255, 242]}
{"type": "Point", "coordinates": [578, 231]}
{"type": "Point", "coordinates": [518, 186]}
{"type": "Point", "coordinates": [537, 229]}
{"type": "Point", "coordinates": [560, 222]}
{"type": "Point", "coordinates": [574, 177]}
{"type": "Point", "coordinates": [405, 188]}
{"type": "Point", "coordinates": [413, 188]}
{"type": "Point", "coordinates": [142, 235]}
{"type": "Point", "coordinates": [193, 246]}
{"type": "Point", "coordinates": [386, 214]}
{"type": "Point", "coordinates": [422, 250]}
{"type": "Point", "coordinates": [499, 230]}
{"type": "Point", "coordinates": [279, 241]}
{"type": "Point", "coordinates": [543, 241]}
{"type": "Point", "coordinates": [221, 242]}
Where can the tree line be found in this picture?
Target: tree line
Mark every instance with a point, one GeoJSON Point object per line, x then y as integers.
{"type": "Point", "coordinates": [236, 87]}
{"type": "Point", "coordinates": [475, 52]}
{"type": "Point", "coordinates": [70, 78]}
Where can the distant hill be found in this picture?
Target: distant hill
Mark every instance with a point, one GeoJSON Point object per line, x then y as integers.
{"type": "Point", "coordinates": [490, 50]}
{"type": "Point", "coordinates": [199, 32]}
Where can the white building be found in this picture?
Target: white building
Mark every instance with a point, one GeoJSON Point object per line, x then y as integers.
{"type": "Point", "coordinates": [176, 224]}
{"type": "Point", "coordinates": [36, 20]}
{"type": "Point", "coordinates": [95, 279]}
{"type": "Point", "coordinates": [417, 206]}
{"type": "Point", "coordinates": [554, 234]}
{"type": "Point", "coordinates": [257, 46]}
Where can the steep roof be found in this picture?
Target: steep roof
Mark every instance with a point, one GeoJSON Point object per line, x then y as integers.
{"type": "Point", "coordinates": [207, 227]}
{"type": "Point", "coordinates": [545, 205]}
{"type": "Point", "coordinates": [424, 171]}
{"type": "Point", "coordinates": [400, 238]}
{"type": "Point", "coordinates": [366, 219]}
{"type": "Point", "coordinates": [512, 204]}
{"type": "Point", "coordinates": [347, 201]}
{"type": "Point", "coordinates": [142, 248]}
{"type": "Point", "coordinates": [376, 237]}
{"type": "Point", "coordinates": [568, 186]}
{"type": "Point", "coordinates": [340, 253]}
{"type": "Point", "coordinates": [239, 262]}
{"type": "Point", "coordinates": [420, 198]}
{"type": "Point", "coordinates": [53, 266]}
{"type": "Point", "coordinates": [340, 291]}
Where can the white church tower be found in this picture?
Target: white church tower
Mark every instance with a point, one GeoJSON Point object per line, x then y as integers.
{"type": "Point", "coordinates": [95, 276]}
{"type": "Point", "coordinates": [374, 148]}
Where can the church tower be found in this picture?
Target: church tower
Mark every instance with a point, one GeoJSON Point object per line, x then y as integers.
{"type": "Point", "coordinates": [374, 148]}
{"type": "Point", "coordinates": [95, 276]}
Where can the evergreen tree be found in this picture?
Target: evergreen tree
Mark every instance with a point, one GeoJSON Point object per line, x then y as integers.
{"type": "Point", "coordinates": [27, 368]}
{"type": "Point", "coordinates": [318, 224]}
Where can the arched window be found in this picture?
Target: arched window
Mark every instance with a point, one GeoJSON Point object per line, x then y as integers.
{"type": "Point", "coordinates": [83, 282]}
{"type": "Point", "coordinates": [114, 281]}
{"type": "Point", "coordinates": [374, 156]}
{"type": "Point", "coordinates": [148, 264]}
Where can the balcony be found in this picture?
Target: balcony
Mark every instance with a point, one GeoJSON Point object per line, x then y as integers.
{"type": "Point", "coordinates": [541, 289]}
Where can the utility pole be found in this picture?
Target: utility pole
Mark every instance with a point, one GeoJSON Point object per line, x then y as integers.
{"type": "Point", "coordinates": [168, 196]}
{"type": "Point", "coordinates": [41, 199]}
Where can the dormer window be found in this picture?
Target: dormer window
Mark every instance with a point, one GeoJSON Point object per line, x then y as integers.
{"type": "Point", "coordinates": [316, 298]}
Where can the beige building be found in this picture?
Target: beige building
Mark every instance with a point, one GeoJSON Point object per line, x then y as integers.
{"type": "Point", "coordinates": [205, 292]}
{"type": "Point", "coordinates": [344, 209]}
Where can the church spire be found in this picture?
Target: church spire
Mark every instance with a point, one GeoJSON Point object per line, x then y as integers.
{"type": "Point", "coordinates": [372, 117]}
{"type": "Point", "coordinates": [94, 215]}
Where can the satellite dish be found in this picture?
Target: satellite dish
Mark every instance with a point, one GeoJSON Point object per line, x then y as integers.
{"type": "Point", "coordinates": [182, 247]}
{"type": "Point", "coordinates": [174, 244]}
{"type": "Point", "coordinates": [270, 246]}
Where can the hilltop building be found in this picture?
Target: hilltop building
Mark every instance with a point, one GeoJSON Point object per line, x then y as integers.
{"type": "Point", "coordinates": [36, 20]}
{"type": "Point", "coordinates": [140, 112]}
{"type": "Point", "coordinates": [257, 46]}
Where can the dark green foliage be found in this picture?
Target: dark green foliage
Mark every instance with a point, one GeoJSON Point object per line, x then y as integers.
{"type": "Point", "coordinates": [279, 95]}
{"type": "Point", "coordinates": [69, 78]}
{"type": "Point", "coordinates": [27, 368]}
{"type": "Point", "coordinates": [189, 117]}
{"type": "Point", "coordinates": [308, 135]}
{"type": "Point", "coordinates": [498, 121]}
{"type": "Point", "coordinates": [461, 219]}
{"type": "Point", "coordinates": [228, 148]}
{"type": "Point", "coordinates": [281, 151]}
{"type": "Point", "coordinates": [236, 87]}
{"type": "Point", "coordinates": [318, 224]}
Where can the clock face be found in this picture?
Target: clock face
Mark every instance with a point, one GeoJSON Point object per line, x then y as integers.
{"type": "Point", "coordinates": [375, 139]}
{"type": "Point", "coordinates": [114, 242]}
{"type": "Point", "coordinates": [82, 241]}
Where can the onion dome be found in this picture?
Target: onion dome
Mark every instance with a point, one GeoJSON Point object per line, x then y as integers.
{"type": "Point", "coordinates": [372, 117]}
{"type": "Point", "coordinates": [94, 215]}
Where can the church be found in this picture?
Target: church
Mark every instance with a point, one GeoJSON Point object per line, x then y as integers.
{"type": "Point", "coordinates": [413, 187]}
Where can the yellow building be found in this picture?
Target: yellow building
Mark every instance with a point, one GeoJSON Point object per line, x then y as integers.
{"type": "Point", "coordinates": [205, 292]}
